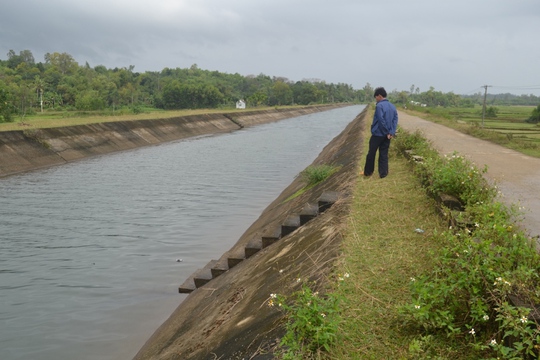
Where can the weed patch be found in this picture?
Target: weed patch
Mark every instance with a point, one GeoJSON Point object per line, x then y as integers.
{"type": "Point", "coordinates": [312, 321]}
{"type": "Point", "coordinates": [315, 174]}
{"type": "Point", "coordinates": [441, 291]}
{"type": "Point", "coordinates": [482, 291]}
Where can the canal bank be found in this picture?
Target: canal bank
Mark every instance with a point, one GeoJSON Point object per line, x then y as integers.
{"type": "Point", "coordinates": [104, 233]}
{"type": "Point", "coordinates": [295, 240]}
{"type": "Point", "coordinates": [31, 149]}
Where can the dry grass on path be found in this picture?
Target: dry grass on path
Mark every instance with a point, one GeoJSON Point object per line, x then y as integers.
{"type": "Point", "coordinates": [382, 252]}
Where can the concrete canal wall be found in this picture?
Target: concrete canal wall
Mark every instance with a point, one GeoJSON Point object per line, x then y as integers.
{"type": "Point", "coordinates": [30, 149]}
{"type": "Point", "coordinates": [298, 236]}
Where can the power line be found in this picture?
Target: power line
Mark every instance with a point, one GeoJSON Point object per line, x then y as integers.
{"type": "Point", "coordinates": [521, 87]}
{"type": "Point", "coordinates": [473, 91]}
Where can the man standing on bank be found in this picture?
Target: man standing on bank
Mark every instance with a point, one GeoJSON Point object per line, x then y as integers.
{"type": "Point", "coordinates": [383, 129]}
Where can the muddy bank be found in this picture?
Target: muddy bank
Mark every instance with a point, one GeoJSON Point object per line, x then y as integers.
{"type": "Point", "coordinates": [226, 315]}
{"type": "Point", "coordinates": [31, 149]}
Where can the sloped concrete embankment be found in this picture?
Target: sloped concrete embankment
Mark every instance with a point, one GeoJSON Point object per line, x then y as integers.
{"type": "Point", "coordinates": [32, 149]}
{"type": "Point", "coordinates": [226, 316]}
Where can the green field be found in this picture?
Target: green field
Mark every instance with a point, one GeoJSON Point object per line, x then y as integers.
{"type": "Point", "coordinates": [508, 128]}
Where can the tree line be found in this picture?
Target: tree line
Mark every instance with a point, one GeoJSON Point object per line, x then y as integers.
{"type": "Point", "coordinates": [433, 98]}
{"type": "Point", "coordinates": [59, 83]}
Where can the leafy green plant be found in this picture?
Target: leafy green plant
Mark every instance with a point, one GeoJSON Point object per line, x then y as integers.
{"type": "Point", "coordinates": [136, 109]}
{"type": "Point", "coordinates": [535, 116]}
{"type": "Point", "coordinates": [312, 321]}
{"type": "Point", "coordinates": [487, 279]}
{"type": "Point", "coordinates": [6, 108]}
{"type": "Point", "coordinates": [492, 112]}
{"type": "Point", "coordinates": [455, 175]}
{"type": "Point", "coordinates": [406, 141]}
{"type": "Point", "coordinates": [315, 174]}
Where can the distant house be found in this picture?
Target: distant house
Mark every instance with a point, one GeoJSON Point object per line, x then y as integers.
{"type": "Point", "coordinates": [240, 104]}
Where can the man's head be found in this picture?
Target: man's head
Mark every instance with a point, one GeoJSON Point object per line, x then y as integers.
{"type": "Point", "coordinates": [380, 94]}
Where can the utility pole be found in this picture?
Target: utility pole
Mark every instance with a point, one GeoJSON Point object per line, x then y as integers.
{"type": "Point", "coordinates": [484, 106]}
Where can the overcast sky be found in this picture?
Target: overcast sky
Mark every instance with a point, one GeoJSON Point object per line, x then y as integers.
{"type": "Point", "coordinates": [456, 45]}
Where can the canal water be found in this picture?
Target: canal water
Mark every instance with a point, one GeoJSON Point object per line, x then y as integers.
{"type": "Point", "coordinates": [92, 252]}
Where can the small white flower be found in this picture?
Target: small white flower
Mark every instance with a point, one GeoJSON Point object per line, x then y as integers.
{"type": "Point", "coordinates": [523, 319]}
{"type": "Point", "coordinates": [493, 342]}
{"type": "Point", "coordinates": [270, 303]}
{"type": "Point", "coordinates": [413, 279]}
{"type": "Point", "coordinates": [273, 296]}
{"type": "Point", "coordinates": [281, 271]}
{"type": "Point", "coordinates": [472, 332]}
{"type": "Point", "coordinates": [346, 275]}
{"type": "Point", "coordinates": [476, 224]}
{"type": "Point", "coordinates": [323, 315]}
{"type": "Point", "coordinates": [298, 280]}
{"type": "Point", "coordinates": [486, 318]}
{"type": "Point", "coordinates": [417, 307]}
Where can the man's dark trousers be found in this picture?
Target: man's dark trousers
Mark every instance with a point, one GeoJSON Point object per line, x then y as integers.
{"type": "Point", "coordinates": [381, 143]}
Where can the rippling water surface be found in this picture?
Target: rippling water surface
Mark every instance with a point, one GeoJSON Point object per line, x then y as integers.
{"type": "Point", "coordinates": [88, 250]}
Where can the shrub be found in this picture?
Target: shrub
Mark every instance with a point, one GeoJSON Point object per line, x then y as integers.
{"type": "Point", "coordinates": [454, 175]}
{"type": "Point", "coordinates": [491, 112]}
{"type": "Point", "coordinates": [312, 320]}
{"type": "Point", "coordinates": [487, 271]}
{"type": "Point", "coordinates": [6, 108]}
{"type": "Point", "coordinates": [408, 141]}
{"type": "Point", "coordinates": [315, 174]}
{"type": "Point", "coordinates": [535, 116]}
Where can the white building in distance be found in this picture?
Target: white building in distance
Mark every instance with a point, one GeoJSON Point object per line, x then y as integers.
{"type": "Point", "coordinates": [240, 104]}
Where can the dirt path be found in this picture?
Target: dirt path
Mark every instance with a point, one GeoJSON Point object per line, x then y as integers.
{"type": "Point", "coordinates": [516, 175]}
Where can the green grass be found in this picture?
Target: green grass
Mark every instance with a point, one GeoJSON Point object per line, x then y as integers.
{"type": "Point", "coordinates": [312, 175]}
{"type": "Point", "coordinates": [315, 174]}
{"type": "Point", "coordinates": [382, 252]}
{"type": "Point", "coordinates": [421, 289]}
{"type": "Point", "coordinates": [508, 129]}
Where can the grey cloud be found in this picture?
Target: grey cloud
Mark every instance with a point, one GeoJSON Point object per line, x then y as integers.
{"type": "Point", "coordinates": [453, 46]}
